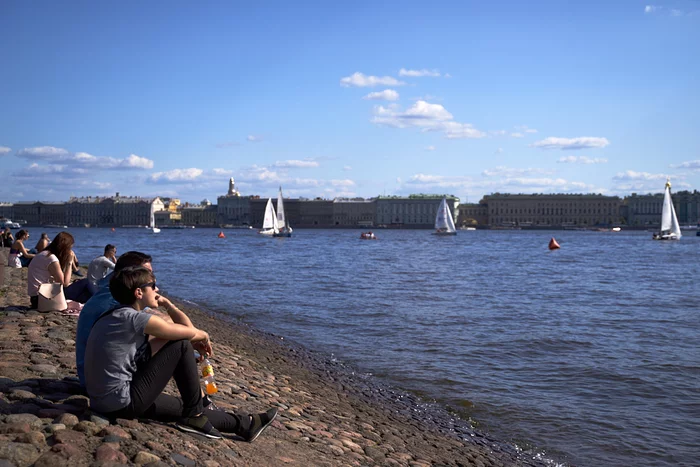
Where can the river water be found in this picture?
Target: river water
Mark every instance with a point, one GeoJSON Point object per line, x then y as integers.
{"type": "Point", "coordinates": [588, 355]}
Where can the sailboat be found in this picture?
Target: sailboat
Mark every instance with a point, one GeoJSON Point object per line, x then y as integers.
{"type": "Point", "coordinates": [670, 229]}
{"type": "Point", "coordinates": [284, 229]}
{"type": "Point", "coordinates": [269, 227]}
{"type": "Point", "coordinates": [444, 225]}
{"type": "Point", "coordinates": [152, 222]}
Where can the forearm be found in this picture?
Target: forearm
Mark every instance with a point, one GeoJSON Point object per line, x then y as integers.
{"type": "Point", "coordinates": [178, 316]}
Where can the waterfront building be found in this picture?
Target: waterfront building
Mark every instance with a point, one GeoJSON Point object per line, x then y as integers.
{"type": "Point", "coordinates": [204, 214]}
{"type": "Point", "coordinates": [110, 211]}
{"type": "Point", "coordinates": [232, 208]}
{"type": "Point", "coordinates": [414, 211]}
{"type": "Point", "coordinates": [355, 212]}
{"type": "Point", "coordinates": [555, 210]}
{"type": "Point", "coordinates": [298, 212]}
{"type": "Point", "coordinates": [645, 210]}
{"type": "Point", "coordinates": [473, 214]}
{"type": "Point", "coordinates": [40, 212]}
{"type": "Point", "coordinates": [6, 211]}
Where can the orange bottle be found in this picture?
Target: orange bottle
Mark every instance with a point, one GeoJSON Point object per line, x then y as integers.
{"type": "Point", "coordinates": [208, 375]}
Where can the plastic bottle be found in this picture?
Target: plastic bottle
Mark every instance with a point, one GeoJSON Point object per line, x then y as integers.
{"type": "Point", "coordinates": [208, 375]}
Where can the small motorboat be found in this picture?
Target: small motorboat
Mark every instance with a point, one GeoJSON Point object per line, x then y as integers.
{"type": "Point", "coordinates": [368, 236]}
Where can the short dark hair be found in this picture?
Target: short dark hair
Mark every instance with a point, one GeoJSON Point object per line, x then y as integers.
{"type": "Point", "coordinates": [125, 281]}
{"type": "Point", "coordinates": [132, 258]}
{"type": "Point", "coordinates": [109, 247]}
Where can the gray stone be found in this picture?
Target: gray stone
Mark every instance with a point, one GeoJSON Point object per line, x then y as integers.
{"type": "Point", "coordinates": [20, 454]}
{"type": "Point", "coordinates": [54, 427]}
{"type": "Point", "coordinates": [182, 460]}
{"type": "Point", "coordinates": [42, 368]}
{"type": "Point", "coordinates": [68, 419]}
{"type": "Point", "coordinates": [19, 394]}
{"type": "Point", "coordinates": [33, 437]}
{"type": "Point", "coordinates": [99, 420]}
{"type": "Point", "coordinates": [144, 457]}
{"type": "Point", "coordinates": [33, 420]}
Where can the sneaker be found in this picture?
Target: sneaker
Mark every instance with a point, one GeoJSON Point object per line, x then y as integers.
{"type": "Point", "coordinates": [258, 423]}
{"type": "Point", "coordinates": [199, 425]}
{"type": "Point", "coordinates": [209, 404]}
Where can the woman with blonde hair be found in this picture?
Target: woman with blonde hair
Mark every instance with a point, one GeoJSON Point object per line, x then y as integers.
{"type": "Point", "coordinates": [55, 264]}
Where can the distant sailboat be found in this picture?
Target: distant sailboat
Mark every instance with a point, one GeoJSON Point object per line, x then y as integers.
{"type": "Point", "coordinates": [284, 229]}
{"type": "Point", "coordinates": [444, 225]}
{"type": "Point", "coordinates": [152, 221]}
{"type": "Point", "coordinates": [269, 227]}
{"type": "Point", "coordinates": [670, 229]}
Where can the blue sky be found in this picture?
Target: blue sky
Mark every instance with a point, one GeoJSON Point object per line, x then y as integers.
{"type": "Point", "coordinates": [361, 99]}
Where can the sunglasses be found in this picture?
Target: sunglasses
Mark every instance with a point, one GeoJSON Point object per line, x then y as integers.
{"type": "Point", "coordinates": [150, 284]}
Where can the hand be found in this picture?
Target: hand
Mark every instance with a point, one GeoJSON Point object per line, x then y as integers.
{"type": "Point", "coordinates": [204, 348]}
{"type": "Point", "coordinates": [164, 302]}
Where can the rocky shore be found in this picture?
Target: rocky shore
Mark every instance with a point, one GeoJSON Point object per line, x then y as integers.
{"type": "Point", "coordinates": [329, 416]}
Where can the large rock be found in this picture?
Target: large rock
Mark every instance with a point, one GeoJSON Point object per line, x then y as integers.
{"type": "Point", "coordinates": [63, 455]}
{"type": "Point", "coordinates": [20, 454]}
{"type": "Point", "coordinates": [32, 420]}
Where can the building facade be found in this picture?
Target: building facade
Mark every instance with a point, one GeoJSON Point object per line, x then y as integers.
{"type": "Point", "coordinates": [40, 212]}
{"type": "Point", "coordinates": [557, 210]}
{"type": "Point", "coordinates": [415, 211]}
{"type": "Point", "coordinates": [645, 210]}
{"type": "Point", "coordinates": [110, 211]}
{"type": "Point", "coordinates": [473, 214]}
{"type": "Point", "coordinates": [356, 212]}
{"type": "Point", "coordinates": [200, 216]}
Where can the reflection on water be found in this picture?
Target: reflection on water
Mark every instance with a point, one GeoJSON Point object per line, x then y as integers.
{"type": "Point", "coordinates": [589, 353]}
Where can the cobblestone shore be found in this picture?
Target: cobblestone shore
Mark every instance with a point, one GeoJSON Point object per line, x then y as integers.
{"type": "Point", "coordinates": [328, 415]}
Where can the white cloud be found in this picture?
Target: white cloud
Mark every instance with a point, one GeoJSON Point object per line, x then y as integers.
{"type": "Point", "coordinates": [581, 160]}
{"type": "Point", "coordinates": [498, 151]}
{"type": "Point", "coordinates": [43, 153]}
{"type": "Point", "coordinates": [343, 183]}
{"type": "Point", "coordinates": [137, 162]}
{"type": "Point", "coordinates": [692, 165]}
{"type": "Point", "coordinates": [525, 129]}
{"type": "Point", "coordinates": [254, 138]}
{"type": "Point", "coordinates": [4, 150]}
{"type": "Point", "coordinates": [430, 148]}
{"type": "Point", "coordinates": [650, 9]}
{"type": "Point", "coordinates": [583, 142]}
{"type": "Point", "coordinates": [360, 80]}
{"type": "Point", "coordinates": [502, 171]}
{"type": "Point", "coordinates": [222, 172]}
{"type": "Point", "coordinates": [517, 135]}
{"type": "Point", "coordinates": [82, 159]}
{"type": "Point", "coordinates": [498, 132]}
{"type": "Point", "coordinates": [427, 117]}
{"type": "Point", "coordinates": [419, 73]}
{"type": "Point", "coordinates": [455, 130]}
{"type": "Point", "coordinates": [385, 95]}
{"type": "Point", "coordinates": [632, 175]}
{"type": "Point", "coordinates": [295, 164]}
{"type": "Point", "coordinates": [347, 168]}
{"type": "Point", "coordinates": [176, 176]}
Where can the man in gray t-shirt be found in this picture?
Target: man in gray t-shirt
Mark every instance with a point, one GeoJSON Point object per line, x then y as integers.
{"type": "Point", "coordinates": [112, 345]}
{"type": "Point", "coordinates": [100, 267]}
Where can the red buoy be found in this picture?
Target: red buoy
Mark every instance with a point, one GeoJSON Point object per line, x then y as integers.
{"type": "Point", "coordinates": [221, 234]}
{"type": "Point", "coordinates": [553, 245]}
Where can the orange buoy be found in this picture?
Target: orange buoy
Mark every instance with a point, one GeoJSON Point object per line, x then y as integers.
{"type": "Point", "coordinates": [221, 234]}
{"type": "Point", "coordinates": [553, 245]}
{"type": "Point", "coordinates": [112, 229]}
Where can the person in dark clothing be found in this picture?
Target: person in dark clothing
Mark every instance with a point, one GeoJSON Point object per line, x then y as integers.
{"type": "Point", "coordinates": [125, 374]}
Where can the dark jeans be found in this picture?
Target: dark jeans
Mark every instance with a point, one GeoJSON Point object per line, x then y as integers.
{"type": "Point", "coordinates": [176, 360]}
{"type": "Point", "coordinates": [78, 291]}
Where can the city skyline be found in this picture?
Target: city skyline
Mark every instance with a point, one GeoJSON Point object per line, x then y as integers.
{"type": "Point", "coordinates": [329, 100]}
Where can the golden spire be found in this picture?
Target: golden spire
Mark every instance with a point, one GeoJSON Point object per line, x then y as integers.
{"type": "Point", "coordinates": [668, 182]}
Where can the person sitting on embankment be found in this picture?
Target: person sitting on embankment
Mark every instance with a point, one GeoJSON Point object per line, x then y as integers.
{"type": "Point", "coordinates": [100, 267]}
{"type": "Point", "coordinates": [56, 262]}
{"type": "Point", "coordinates": [125, 375]}
{"type": "Point", "coordinates": [19, 256]}
{"type": "Point", "coordinates": [41, 244]}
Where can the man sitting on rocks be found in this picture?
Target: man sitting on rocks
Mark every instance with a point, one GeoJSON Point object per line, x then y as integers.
{"type": "Point", "coordinates": [125, 375]}
{"type": "Point", "coordinates": [100, 267]}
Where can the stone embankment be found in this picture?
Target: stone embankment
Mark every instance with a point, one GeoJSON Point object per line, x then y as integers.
{"type": "Point", "coordinates": [328, 416]}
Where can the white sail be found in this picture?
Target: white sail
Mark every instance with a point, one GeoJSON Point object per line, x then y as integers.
{"type": "Point", "coordinates": [270, 220]}
{"type": "Point", "coordinates": [443, 219]}
{"type": "Point", "coordinates": [280, 209]}
{"type": "Point", "coordinates": [152, 221]}
{"type": "Point", "coordinates": [670, 229]}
